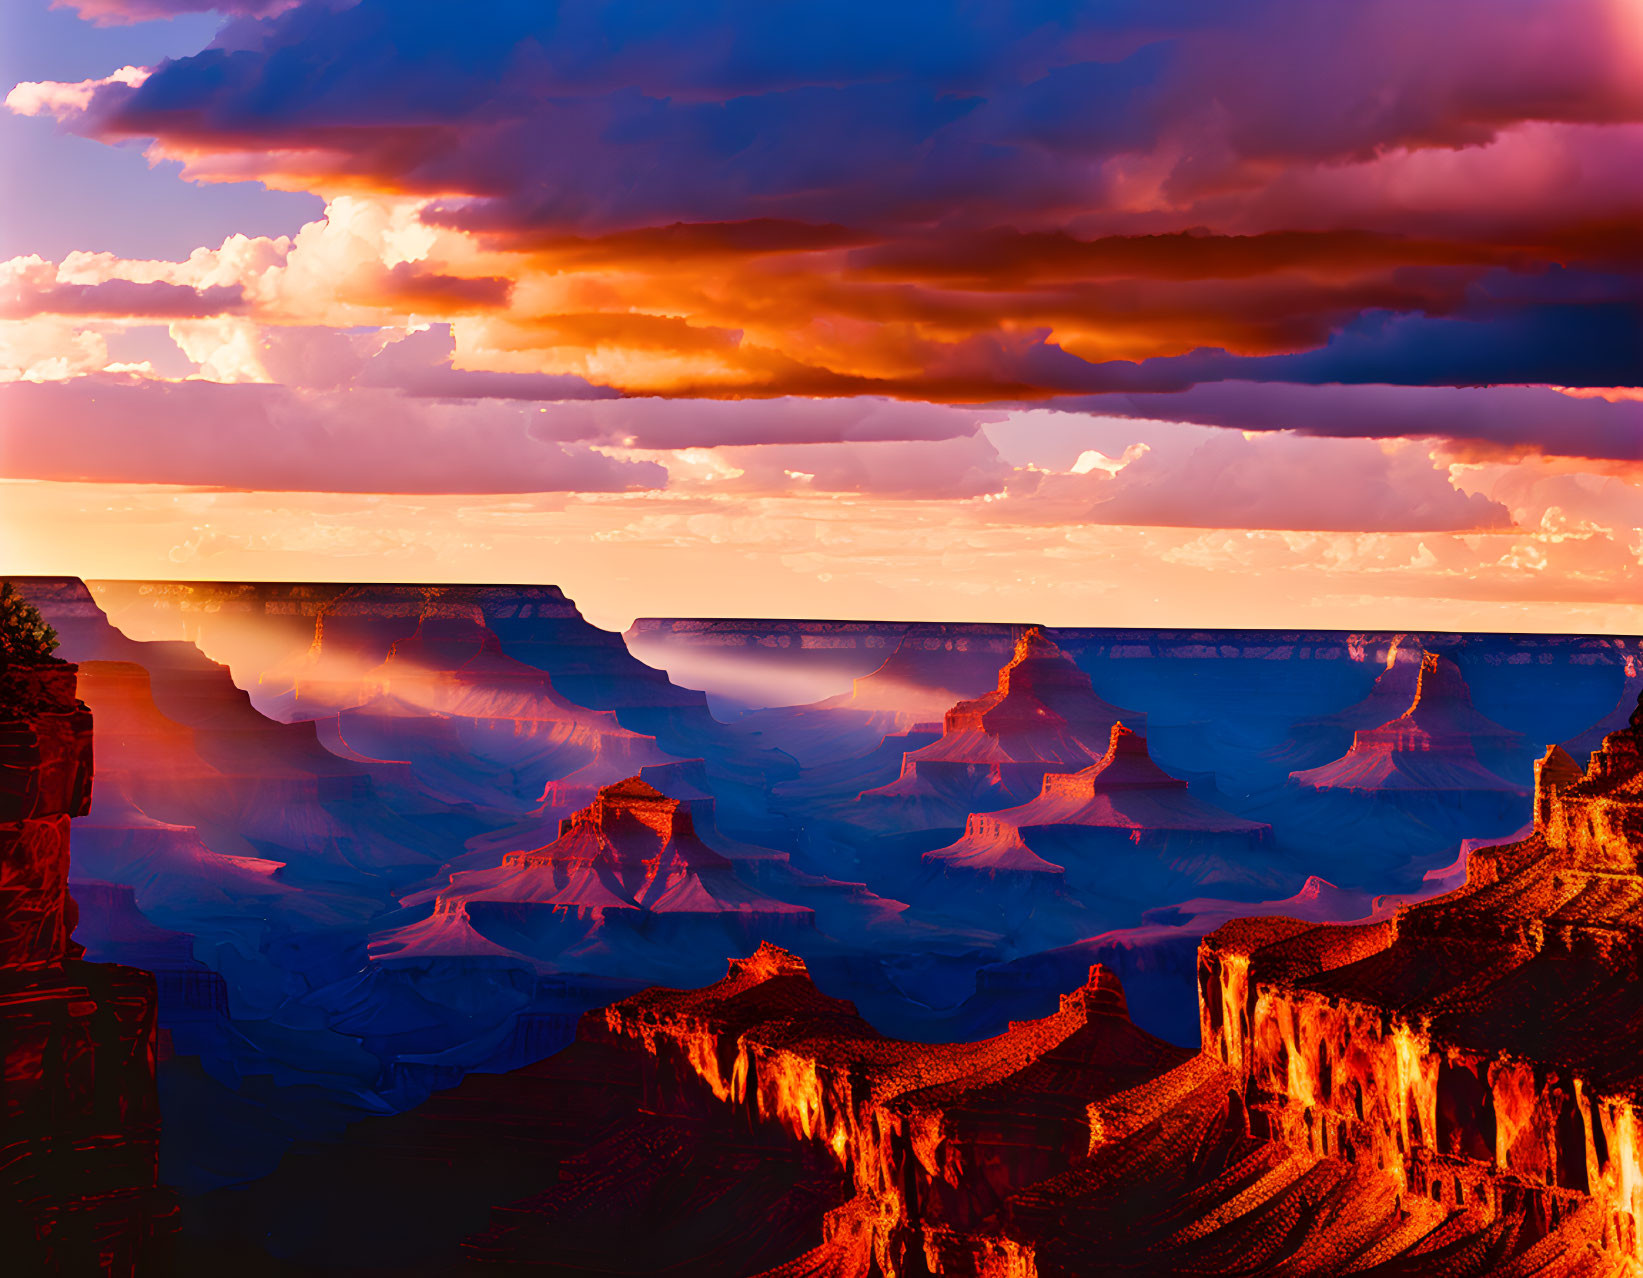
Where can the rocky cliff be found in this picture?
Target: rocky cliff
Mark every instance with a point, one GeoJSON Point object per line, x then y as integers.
{"type": "Point", "coordinates": [79, 1117]}
{"type": "Point", "coordinates": [931, 1137]}
{"type": "Point", "coordinates": [1480, 1048]}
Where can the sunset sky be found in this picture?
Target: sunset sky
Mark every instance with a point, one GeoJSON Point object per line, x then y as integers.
{"type": "Point", "coordinates": [1149, 312]}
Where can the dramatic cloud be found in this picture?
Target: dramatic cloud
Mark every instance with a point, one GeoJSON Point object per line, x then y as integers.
{"type": "Point", "coordinates": [32, 286]}
{"type": "Point", "coordinates": [1071, 469]}
{"type": "Point", "coordinates": [953, 202]}
{"type": "Point", "coordinates": [1229, 481]}
{"type": "Point", "coordinates": [849, 113]}
{"type": "Point", "coordinates": [1173, 300]}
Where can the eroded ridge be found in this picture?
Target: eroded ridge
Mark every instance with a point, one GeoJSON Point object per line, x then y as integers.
{"type": "Point", "coordinates": [1481, 1050]}
{"type": "Point", "coordinates": [629, 863]}
{"type": "Point", "coordinates": [933, 1138]}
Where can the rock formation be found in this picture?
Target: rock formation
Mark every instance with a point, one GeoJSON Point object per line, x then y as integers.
{"type": "Point", "coordinates": [256, 789]}
{"type": "Point", "coordinates": [1043, 717]}
{"type": "Point", "coordinates": [1091, 851]}
{"type": "Point", "coordinates": [79, 1117]}
{"type": "Point", "coordinates": [627, 872]}
{"type": "Point", "coordinates": [308, 651]}
{"type": "Point", "coordinates": [1099, 821]}
{"type": "Point", "coordinates": [449, 701]}
{"type": "Point", "coordinates": [1449, 1089]}
{"type": "Point", "coordinates": [915, 684]}
{"type": "Point", "coordinates": [1477, 1049]}
{"type": "Point", "coordinates": [932, 1137]}
{"type": "Point", "coordinates": [1432, 747]}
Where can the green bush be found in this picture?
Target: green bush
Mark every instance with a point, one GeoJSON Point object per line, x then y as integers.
{"type": "Point", "coordinates": [25, 638]}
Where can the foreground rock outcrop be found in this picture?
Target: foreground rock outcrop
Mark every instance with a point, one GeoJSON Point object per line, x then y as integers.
{"type": "Point", "coordinates": [931, 1138]}
{"type": "Point", "coordinates": [79, 1117]}
{"type": "Point", "coordinates": [1479, 1048]}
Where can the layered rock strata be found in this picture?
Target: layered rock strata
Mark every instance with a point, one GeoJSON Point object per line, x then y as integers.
{"type": "Point", "coordinates": [1451, 1089]}
{"type": "Point", "coordinates": [1122, 802]}
{"type": "Point", "coordinates": [1043, 717]}
{"type": "Point", "coordinates": [932, 1137]}
{"type": "Point", "coordinates": [79, 1118]}
{"type": "Point", "coordinates": [1432, 747]}
{"type": "Point", "coordinates": [629, 866]}
{"type": "Point", "coordinates": [1480, 1049]}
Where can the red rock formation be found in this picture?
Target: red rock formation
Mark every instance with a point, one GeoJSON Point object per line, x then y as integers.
{"type": "Point", "coordinates": [1124, 794]}
{"type": "Point", "coordinates": [241, 780]}
{"type": "Point", "coordinates": [631, 861]}
{"type": "Point", "coordinates": [1043, 717]}
{"type": "Point", "coordinates": [1430, 748]}
{"type": "Point", "coordinates": [933, 1137]}
{"type": "Point", "coordinates": [79, 1119]}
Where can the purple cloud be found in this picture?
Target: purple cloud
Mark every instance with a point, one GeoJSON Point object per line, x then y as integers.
{"type": "Point", "coordinates": [275, 439]}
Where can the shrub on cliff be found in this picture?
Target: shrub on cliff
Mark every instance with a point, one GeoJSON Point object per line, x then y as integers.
{"type": "Point", "coordinates": [25, 638]}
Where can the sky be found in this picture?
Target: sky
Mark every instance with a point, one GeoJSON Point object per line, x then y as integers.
{"type": "Point", "coordinates": [1161, 313]}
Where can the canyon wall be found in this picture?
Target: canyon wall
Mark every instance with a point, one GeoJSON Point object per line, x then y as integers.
{"type": "Point", "coordinates": [79, 1116]}
{"type": "Point", "coordinates": [1480, 1048]}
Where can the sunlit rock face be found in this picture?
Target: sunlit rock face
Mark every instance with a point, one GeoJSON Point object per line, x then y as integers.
{"type": "Point", "coordinates": [1042, 717]}
{"type": "Point", "coordinates": [1478, 1048]}
{"type": "Point", "coordinates": [628, 874]}
{"type": "Point", "coordinates": [933, 1138]}
{"type": "Point", "coordinates": [79, 1118]}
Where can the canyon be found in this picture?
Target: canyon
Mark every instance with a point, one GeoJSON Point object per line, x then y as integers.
{"type": "Point", "coordinates": [1450, 1088]}
{"type": "Point", "coordinates": [435, 884]}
